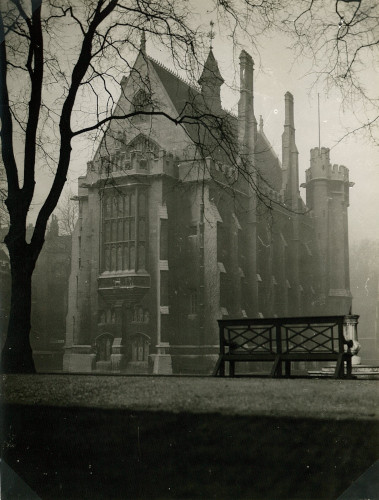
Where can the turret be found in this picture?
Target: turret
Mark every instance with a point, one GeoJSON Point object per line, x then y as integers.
{"type": "Point", "coordinates": [210, 82]}
{"type": "Point", "coordinates": [328, 198]}
{"type": "Point", "coordinates": [290, 155]}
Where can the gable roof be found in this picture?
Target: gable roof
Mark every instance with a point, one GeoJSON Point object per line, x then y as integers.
{"type": "Point", "coordinates": [180, 92]}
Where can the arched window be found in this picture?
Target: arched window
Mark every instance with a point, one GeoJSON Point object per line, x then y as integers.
{"type": "Point", "coordinates": [104, 347]}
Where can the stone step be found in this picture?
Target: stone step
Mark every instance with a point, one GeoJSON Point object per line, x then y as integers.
{"type": "Point", "coordinates": [358, 371]}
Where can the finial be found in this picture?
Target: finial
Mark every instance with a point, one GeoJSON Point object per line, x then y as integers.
{"type": "Point", "coordinates": [143, 42]}
{"type": "Point", "coordinates": [211, 34]}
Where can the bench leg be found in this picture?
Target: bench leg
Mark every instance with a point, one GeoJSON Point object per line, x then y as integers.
{"type": "Point", "coordinates": [349, 367]}
{"type": "Point", "coordinates": [276, 370]}
{"type": "Point", "coordinates": [217, 367]}
{"type": "Point", "coordinates": [339, 371]}
{"type": "Point", "coordinates": [222, 368]}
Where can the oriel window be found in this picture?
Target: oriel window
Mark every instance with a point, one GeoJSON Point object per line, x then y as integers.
{"type": "Point", "coordinates": [124, 237]}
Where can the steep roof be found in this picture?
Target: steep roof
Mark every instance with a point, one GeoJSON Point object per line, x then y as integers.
{"type": "Point", "coordinates": [268, 162]}
{"type": "Point", "coordinates": [180, 92]}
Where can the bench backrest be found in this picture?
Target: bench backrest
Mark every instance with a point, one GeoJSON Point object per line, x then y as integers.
{"type": "Point", "coordinates": [314, 334]}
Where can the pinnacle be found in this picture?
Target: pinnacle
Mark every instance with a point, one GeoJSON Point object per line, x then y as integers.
{"type": "Point", "coordinates": [211, 70]}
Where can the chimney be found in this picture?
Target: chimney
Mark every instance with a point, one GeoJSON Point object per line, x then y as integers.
{"type": "Point", "coordinates": [247, 124]}
{"type": "Point", "coordinates": [290, 162]}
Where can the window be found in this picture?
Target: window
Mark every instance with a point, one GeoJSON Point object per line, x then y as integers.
{"type": "Point", "coordinates": [141, 102]}
{"type": "Point", "coordinates": [104, 347]}
{"type": "Point", "coordinates": [140, 315]}
{"type": "Point", "coordinates": [164, 239]}
{"type": "Point", "coordinates": [124, 230]}
{"type": "Point", "coordinates": [140, 347]}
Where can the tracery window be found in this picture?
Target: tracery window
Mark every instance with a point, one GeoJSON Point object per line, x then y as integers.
{"type": "Point", "coordinates": [124, 230]}
{"type": "Point", "coordinates": [140, 347]}
{"type": "Point", "coordinates": [140, 315]}
{"type": "Point", "coordinates": [141, 102]}
{"type": "Point", "coordinates": [103, 345]}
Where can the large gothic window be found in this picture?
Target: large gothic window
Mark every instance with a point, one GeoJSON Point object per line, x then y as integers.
{"type": "Point", "coordinates": [124, 230]}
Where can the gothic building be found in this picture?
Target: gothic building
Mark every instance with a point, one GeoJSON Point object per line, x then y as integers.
{"type": "Point", "coordinates": [175, 231]}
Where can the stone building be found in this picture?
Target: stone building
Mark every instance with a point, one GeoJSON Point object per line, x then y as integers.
{"type": "Point", "coordinates": [49, 299]}
{"type": "Point", "coordinates": [173, 235]}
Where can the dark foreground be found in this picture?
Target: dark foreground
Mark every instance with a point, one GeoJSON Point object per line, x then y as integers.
{"type": "Point", "coordinates": [82, 452]}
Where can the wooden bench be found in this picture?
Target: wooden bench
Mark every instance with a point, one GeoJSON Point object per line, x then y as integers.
{"type": "Point", "coordinates": [283, 341]}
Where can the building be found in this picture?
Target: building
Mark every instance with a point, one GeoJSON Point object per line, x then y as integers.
{"type": "Point", "coordinates": [173, 235]}
{"type": "Point", "coordinates": [49, 299]}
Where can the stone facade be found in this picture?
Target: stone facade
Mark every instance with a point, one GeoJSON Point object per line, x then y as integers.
{"type": "Point", "coordinates": [171, 238]}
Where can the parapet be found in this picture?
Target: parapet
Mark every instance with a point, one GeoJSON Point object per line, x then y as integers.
{"type": "Point", "coordinates": [339, 173]}
{"type": "Point", "coordinates": [321, 168]}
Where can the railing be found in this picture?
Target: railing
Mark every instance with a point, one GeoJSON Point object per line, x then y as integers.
{"type": "Point", "coordinates": [284, 340]}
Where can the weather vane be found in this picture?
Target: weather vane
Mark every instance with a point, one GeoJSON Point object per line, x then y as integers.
{"type": "Point", "coordinates": [211, 34]}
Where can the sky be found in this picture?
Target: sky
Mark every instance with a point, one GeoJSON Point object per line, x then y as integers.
{"type": "Point", "coordinates": [275, 73]}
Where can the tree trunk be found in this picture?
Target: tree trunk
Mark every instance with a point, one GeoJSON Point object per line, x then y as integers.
{"type": "Point", "coordinates": [17, 355]}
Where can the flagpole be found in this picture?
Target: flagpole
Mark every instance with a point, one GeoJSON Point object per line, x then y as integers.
{"type": "Point", "coordinates": [319, 126]}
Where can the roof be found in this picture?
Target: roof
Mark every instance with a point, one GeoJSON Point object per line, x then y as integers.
{"type": "Point", "coordinates": [268, 162]}
{"type": "Point", "coordinates": [187, 98]}
{"type": "Point", "coordinates": [180, 92]}
{"type": "Point", "coordinates": [211, 71]}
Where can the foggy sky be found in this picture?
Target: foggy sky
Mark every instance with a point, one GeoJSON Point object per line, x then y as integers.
{"type": "Point", "coordinates": [276, 73]}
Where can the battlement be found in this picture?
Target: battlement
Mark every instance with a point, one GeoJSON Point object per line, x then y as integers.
{"type": "Point", "coordinates": [321, 168]}
{"type": "Point", "coordinates": [339, 173]}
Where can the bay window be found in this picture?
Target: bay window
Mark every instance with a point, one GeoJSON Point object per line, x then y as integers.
{"type": "Point", "coordinates": [124, 230]}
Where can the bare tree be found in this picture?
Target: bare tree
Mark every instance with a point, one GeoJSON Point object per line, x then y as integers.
{"type": "Point", "coordinates": [60, 63]}
{"type": "Point", "coordinates": [4, 218]}
{"type": "Point", "coordinates": [340, 42]}
{"type": "Point", "coordinates": [67, 212]}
